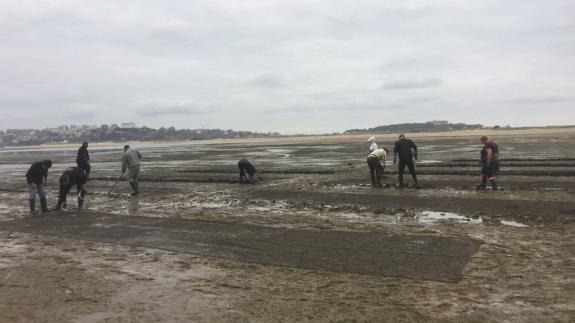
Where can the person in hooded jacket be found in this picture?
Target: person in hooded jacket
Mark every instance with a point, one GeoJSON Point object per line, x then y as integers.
{"type": "Point", "coordinates": [72, 176]}
{"type": "Point", "coordinates": [83, 159]}
{"type": "Point", "coordinates": [36, 178]}
{"type": "Point", "coordinates": [371, 144]}
{"type": "Point", "coordinates": [246, 167]}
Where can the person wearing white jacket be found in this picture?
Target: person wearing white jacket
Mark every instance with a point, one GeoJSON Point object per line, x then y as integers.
{"type": "Point", "coordinates": [371, 143]}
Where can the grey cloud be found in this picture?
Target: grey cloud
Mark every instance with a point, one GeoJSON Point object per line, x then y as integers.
{"type": "Point", "coordinates": [543, 99]}
{"type": "Point", "coordinates": [414, 84]}
{"type": "Point", "coordinates": [234, 63]}
{"type": "Point", "coordinates": [269, 81]}
{"type": "Point", "coordinates": [172, 111]}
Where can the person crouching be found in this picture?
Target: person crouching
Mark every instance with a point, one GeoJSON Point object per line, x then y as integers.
{"type": "Point", "coordinates": [70, 177]}
{"type": "Point", "coordinates": [376, 169]}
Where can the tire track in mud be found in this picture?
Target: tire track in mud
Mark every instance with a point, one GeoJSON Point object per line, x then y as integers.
{"type": "Point", "coordinates": [418, 257]}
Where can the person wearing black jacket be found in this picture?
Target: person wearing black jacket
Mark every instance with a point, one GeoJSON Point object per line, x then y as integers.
{"type": "Point", "coordinates": [36, 178]}
{"type": "Point", "coordinates": [407, 151]}
{"type": "Point", "coordinates": [246, 167]}
{"type": "Point", "coordinates": [83, 159]}
{"type": "Point", "coordinates": [72, 176]}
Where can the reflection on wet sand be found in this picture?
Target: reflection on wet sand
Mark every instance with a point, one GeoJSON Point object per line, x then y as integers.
{"type": "Point", "coordinates": [133, 205]}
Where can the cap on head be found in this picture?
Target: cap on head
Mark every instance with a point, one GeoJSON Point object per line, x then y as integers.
{"type": "Point", "coordinates": [483, 139]}
{"type": "Point", "coordinates": [85, 144]}
{"type": "Point", "coordinates": [371, 139]}
{"type": "Point", "coordinates": [126, 147]}
{"type": "Point", "coordinates": [401, 136]}
{"type": "Point", "coordinates": [47, 163]}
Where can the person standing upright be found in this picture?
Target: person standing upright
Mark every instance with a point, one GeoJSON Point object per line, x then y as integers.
{"type": "Point", "coordinates": [407, 152]}
{"type": "Point", "coordinates": [489, 162]}
{"type": "Point", "coordinates": [36, 178]}
{"type": "Point", "coordinates": [83, 159]}
{"type": "Point", "coordinates": [131, 162]}
{"type": "Point", "coordinates": [371, 144]}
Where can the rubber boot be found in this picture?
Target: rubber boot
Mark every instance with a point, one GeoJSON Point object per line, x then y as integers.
{"type": "Point", "coordinates": [81, 196]}
{"type": "Point", "coordinates": [414, 181]}
{"type": "Point", "coordinates": [400, 180]}
{"type": "Point", "coordinates": [32, 205]}
{"type": "Point", "coordinates": [44, 204]}
{"type": "Point", "coordinates": [483, 184]}
{"type": "Point", "coordinates": [493, 185]}
{"type": "Point", "coordinates": [379, 180]}
{"type": "Point", "coordinates": [59, 205]}
{"type": "Point", "coordinates": [134, 188]}
{"type": "Point", "coordinates": [373, 184]}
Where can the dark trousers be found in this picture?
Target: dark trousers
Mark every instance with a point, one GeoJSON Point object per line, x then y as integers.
{"type": "Point", "coordinates": [64, 190]}
{"type": "Point", "coordinates": [84, 165]}
{"type": "Point", "coordinates": [410, 165]}
{"type": "Point", "coordinates": [246, 168]}
{"type": "Point", "coordinates": [489, 173]}
{"type": "Point", "coordinates": [375, 170]}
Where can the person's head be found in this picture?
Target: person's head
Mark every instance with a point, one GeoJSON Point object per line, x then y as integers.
{"type": "Point", "coordinates": [126, 147]}
{"type": "Point", "coordinates": [47, 163]}
{"type": "Point", "coordinates": [484, 139]}
{"type": "Point", "coordinates": [371, 140]}
{"type": "Point", "coordinates": [85, 144]}
{"type": "Point", "coordinates": [402, 136]}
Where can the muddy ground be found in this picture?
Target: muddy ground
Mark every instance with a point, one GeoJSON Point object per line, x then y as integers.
{"type": "Point", "coordinates": [313, 242]}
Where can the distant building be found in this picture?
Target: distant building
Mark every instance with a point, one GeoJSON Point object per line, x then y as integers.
{"type": "Point", "coordinates": [128, 125]}
{"type": "Point", "coordinates": [439, 122]}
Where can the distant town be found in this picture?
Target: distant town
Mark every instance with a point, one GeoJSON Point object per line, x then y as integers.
{"type": "Point", "coordinates": [123, 132]}
{"type": "Point", "coordinates": [131, 132]}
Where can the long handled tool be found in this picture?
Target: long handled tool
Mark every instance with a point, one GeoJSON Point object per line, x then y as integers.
{"type": "Point", "coordinates": [115, 183]}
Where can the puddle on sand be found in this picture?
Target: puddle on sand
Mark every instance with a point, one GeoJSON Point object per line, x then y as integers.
{"type": "Point", "coordinates": [514, 224]}
{"type": "Point", "coordinates": [428, 217]}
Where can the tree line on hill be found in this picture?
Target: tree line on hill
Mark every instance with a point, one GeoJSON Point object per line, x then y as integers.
{"type": "Point", "coordinates": [417, 127]}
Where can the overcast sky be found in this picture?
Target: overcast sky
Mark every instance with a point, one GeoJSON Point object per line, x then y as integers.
{"type": "Point", "coordinates": [292, 66]}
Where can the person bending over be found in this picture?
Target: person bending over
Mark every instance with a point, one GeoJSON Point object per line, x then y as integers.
{"type": "Point", "coordinates": [35, 179]}
{"type": "Point", "coordinates": [376, 169]}
{"type": "Point", "coordinates": [246, 167]}
{"type": "Point", "coordinates": [72, 176]}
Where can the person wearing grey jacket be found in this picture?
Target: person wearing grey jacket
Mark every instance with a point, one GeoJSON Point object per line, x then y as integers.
{"type": "Point", "coordinates": [131, 162]}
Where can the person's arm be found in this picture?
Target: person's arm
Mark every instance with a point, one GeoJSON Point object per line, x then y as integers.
{"type": "Point", "coordinates": [139, 155]}
{"type": "Point", "coordinates": [124, 163]}
{"type": "Point", "coordinates": [395, 150]}
{"type": "Point", "coordinates": [414, 147]}
{"type": "Point", "coordinates": [489, 155]}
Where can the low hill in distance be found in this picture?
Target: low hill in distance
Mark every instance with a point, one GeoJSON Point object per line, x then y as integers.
{"type": "Point", "coordinates": [429, 126]}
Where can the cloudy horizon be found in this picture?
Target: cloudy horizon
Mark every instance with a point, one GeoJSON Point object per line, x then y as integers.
{"type": "Point", "coordinates": [310, 66]}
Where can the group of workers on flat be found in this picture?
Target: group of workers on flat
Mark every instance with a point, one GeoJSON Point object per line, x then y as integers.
{"type": "Point", "coordinates": [404, 148]}
{"type": "Point", "coordinates": [76, 176]}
